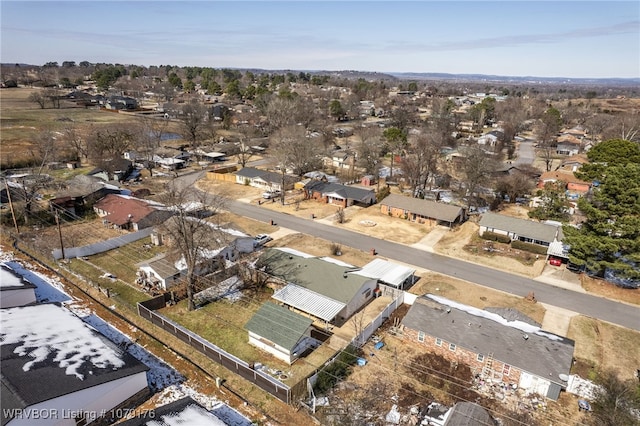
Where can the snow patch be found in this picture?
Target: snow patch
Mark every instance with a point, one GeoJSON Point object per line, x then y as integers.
{"type": "Point", "coordinates": [43, 331]}
{"type": "Point", "coordinates": [520, 325]}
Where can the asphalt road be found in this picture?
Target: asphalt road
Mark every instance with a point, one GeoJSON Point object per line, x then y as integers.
{"type": "Point", "coordinates": [526, 153]}
{"type": "Point", "coordinates": [597, 307]}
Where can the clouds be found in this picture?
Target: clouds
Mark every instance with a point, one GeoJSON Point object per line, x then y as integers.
{"type": "Point", "coordinates": [525, 38]}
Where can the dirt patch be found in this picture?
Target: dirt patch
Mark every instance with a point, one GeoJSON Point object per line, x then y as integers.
{"type": "Point", "coordinates": [386, 227]}
{"type": "Point", "coordinates": [320, 247]}
{"type": "Point", "coordinates": [601, 346]}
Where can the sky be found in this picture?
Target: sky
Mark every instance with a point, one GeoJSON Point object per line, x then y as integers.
{"type": "Point", "coordinates": [573, 39]}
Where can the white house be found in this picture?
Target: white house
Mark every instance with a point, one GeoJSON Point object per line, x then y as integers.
{"type": "Point", "coordinates": [280, 332]}
{"type": "Point", "coordinates": [57, 370]}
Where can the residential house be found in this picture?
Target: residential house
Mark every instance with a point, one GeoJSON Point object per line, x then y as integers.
{"type": "Point", "coordinates": [574, 187]}
{"type": "Point", "coordinates": [159, 273]}
{"type": "Point", "coordinates": [342, 195]}
{"type": "Point", "coordinates": [341, 159]}
{"type": "Point", "coordinates": [491, 138]}
{"type": "Point", "coordinates": [121, 103]}
{"type": "Point", "coordinates": [126, 212]}
{"type": "Point", "coordinates": [162, 274]}
{"type": "Point", "coordinates": [573, 163]}
{"type": "Point", "coordinates": [528, 231]}
{"type": "Point", "coordinates": [422, 211]}
{"type": "Point", "coordinates": [279, 331]}
{"type": "Point", "coordinates": [15, 290]}
{"type": "Point", "coordinates": [568, 144]}
{"type": "Point", "coordinates": [513, 351]}
{"type": "Point", "coordinates": [53, 362]}
{"type": "Point", "coordinates": [264, 179]}
{"type": "Point", "coordinates": [82, 192]}
{"type": "Point", "coordinates": [323, 288]}
{"type": "Point", "coordinates": [116, 169]}
{"type": "Point", "coordinates": [11, 190]}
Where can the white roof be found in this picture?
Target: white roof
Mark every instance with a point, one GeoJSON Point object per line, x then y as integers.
{"type": "Point", "coordinates": [295, 252]}
{"type": "Point", "coordinates": [385, 271]}
{"type": "Point", "coordinates": [309, 301]}
{"type": "Point", "coordinates": [214, 154]}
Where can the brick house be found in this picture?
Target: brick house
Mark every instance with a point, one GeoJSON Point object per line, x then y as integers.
{"type": "Point", "coordinates": [422, 211]}
{"type": "Point", "coordinates": [338, 194]}
{"type": "Point", "coordinates": [510, 349]}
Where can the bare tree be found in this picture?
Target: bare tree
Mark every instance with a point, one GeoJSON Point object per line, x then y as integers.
{"type": "Point", "coordinates": [75, 142]}
{"type": "Point", "coordinates": [192, 238]}
{"type": "Point", "coordinates": [546, 131]}
{"type": "Point", "coordinates": [624, 126]}
{"type": "Point", "coordinates": [515, 185]}
{"type": "Point", "coordinates": [615, 401]}
{"type": "Point", "coordinates": [396, 144]}
{"type": "Point", "coordinates": [477, 167]}
{"type": "Point", "coordinates": [152, 131]}
{"type": "Point", "coordinates": [368, 150]}
{"type": "Point", "coordinates": [109, 142]}
{"type": "Point", "coordinates": [244, 153]}
{"type": "Point", "coordinates": [193, 119]}
{"type": "Point", "coordinates": [421, 163]}
{"type": "Point", "coordinates": [38, 98]}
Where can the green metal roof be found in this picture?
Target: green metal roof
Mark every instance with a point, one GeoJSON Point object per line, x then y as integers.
{"type": "Point", "coordinates": [279, 325]}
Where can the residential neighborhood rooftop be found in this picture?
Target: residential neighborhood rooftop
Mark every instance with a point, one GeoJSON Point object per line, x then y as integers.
{"type": "Point", "coordinates": [427, 208]}
{"type": "Point", "coordinates": [522, 227]}
{"type": "Point", "coordinates": [518, 343]}
{"type": "Point", "coordinates": [279, 325]}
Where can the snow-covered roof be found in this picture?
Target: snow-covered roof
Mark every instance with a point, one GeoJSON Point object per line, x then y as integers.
{"type": "Point", "coordinates": [294, 252]}
{"type": "Point", "coordinates": [47, 352]}
{"type": "Point", "coordinates": [9, 279]}
{"type": "Point", "coordinates": [386, 271]}
{"type": "Point", "coordinates": [517, 343]}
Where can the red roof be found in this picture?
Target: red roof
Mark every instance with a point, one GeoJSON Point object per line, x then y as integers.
{"type": "Point", "coordinates": [122, 210]}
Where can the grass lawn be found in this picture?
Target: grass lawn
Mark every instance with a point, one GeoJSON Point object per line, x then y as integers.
{"type": "Point", "coordinates": [222, 323]}
{"type": "Point", "coordinates": [92, 274]}
{"type": "Point", "coordinates": [122, 261]}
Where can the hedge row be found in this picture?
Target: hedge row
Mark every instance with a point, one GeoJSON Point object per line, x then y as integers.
{"type": "Point", "coordinates": [533, 248]}
{"type": "Point", "coordinates": [492, 236]}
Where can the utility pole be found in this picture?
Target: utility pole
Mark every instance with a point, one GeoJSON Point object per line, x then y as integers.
{"type": "Point", "coordinates": [13, 214]}
{"type": "Point", "coordinates": [60, 234]}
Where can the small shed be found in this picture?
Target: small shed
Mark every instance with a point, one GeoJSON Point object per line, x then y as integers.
{"type": "Point", "coordinates": [279, 331]}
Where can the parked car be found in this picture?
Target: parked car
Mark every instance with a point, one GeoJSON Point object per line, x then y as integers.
{"type": "Point", "coordinates": [555, 261]}
{"type": "Point", "coordinates": [262, 239]}
{"type": "Point", "coordinates": [267, 195]}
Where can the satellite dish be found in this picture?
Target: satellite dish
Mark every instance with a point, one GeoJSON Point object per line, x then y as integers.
{"type": "Point", "coordinates": [563, 377]}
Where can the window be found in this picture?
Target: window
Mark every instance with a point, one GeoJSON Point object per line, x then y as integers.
{"type": "Point", "coordinates": [420, 336]}
{"type": "Point", "coordinates": [367, 293]}
{"type": "Point", "coordinates": [438, 341]}
{"type": "Point", "coordinates": [480, 358]}
{"type": "Point", "coordinates": [506, 370]}
{"type": "Point", "coordinates": [452, 347]}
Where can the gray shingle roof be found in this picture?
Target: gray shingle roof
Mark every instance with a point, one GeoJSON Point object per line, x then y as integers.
{"type": "Point", "coordinates": [426, 208]}
{"type": "Point", "coordinates": [522, 227]}
{"type": "Point", "coordinates": [47, 379]}
{"type": "Point", "coordinates": [267, 176]}
{"type": "Point", "coordinates": [279, 325]}
{"type": "Point", "coordinates": [344, 191]}
{"type": "Point", "coordinates": [542, 354]}
{"type": "Point", "coordinates": [468, 414]}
